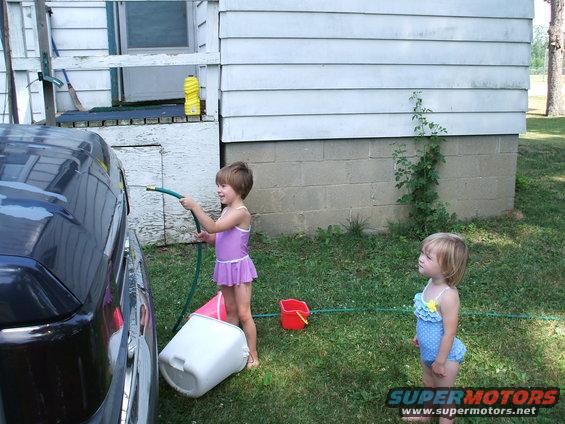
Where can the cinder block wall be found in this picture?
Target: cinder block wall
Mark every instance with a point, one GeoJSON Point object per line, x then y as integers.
{"type": "Point", "coordinates": [304, 185]}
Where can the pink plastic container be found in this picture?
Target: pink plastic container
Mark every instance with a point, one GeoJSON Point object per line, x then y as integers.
{"type": "Point", "coordinates": [214, 308]}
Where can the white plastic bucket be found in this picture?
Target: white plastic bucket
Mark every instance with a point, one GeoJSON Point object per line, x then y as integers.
{"type": "Point", "coordinates": [202, 354]}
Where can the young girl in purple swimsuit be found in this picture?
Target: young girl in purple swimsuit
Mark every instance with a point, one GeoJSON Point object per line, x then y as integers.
{"type": "Point", "coordinates": [234, 270]}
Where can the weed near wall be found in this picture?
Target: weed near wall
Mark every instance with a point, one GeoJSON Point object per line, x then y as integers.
{"type": "Point", "coordinates": [419, 177]}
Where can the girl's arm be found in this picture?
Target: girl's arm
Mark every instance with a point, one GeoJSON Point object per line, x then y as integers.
{"type": "Point", "coordinates": [450, 313]}
{"type": "Point", "coordinates": [229, 220]}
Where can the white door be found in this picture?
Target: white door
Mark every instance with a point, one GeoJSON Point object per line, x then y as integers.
{"type": "Point", "coordinates": [156, 27]}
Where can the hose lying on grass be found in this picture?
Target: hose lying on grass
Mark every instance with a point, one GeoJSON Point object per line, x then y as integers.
{"type": "Point", "coordinates": [400, 310]}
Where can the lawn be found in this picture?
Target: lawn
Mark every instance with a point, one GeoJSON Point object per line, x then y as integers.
{"type": "Point", "coordinates": [340, 368]}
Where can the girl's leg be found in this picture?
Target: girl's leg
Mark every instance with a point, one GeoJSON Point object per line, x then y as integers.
{"type": "Point", "coordinates": [231, 307]}
{"type": "Point", "coordinates": [428, 375]}
{"type": "Point", "coordinates": [448, 380]}
{"type": "Point", "coordinates": [243, 302]}
{"type": "Point", "coordinates": [428, 379]}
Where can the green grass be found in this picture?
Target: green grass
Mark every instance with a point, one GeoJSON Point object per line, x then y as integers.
{"type": "Point", "coordinates": [340, 368]}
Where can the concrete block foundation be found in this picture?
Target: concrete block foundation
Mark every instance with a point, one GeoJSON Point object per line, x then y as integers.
{"type": "Point", "coordinates": [304, 185]}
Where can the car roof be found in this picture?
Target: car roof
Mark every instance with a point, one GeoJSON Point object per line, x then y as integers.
{"type": "Point", "coordinates": [58, 195]}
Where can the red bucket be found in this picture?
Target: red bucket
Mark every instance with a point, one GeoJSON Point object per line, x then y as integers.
{"type": "Point", "coordinates": [294, 314]}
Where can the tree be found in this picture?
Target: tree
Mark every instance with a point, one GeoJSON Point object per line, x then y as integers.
{"type": "Point", "coordinates": [555, 60]}
{"type": "Point", "coordinates": [539, 50]}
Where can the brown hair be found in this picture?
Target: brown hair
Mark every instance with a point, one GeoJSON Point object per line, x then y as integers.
{"type": "Point", "coordinates": [238, 176]}
{"type": "Point", "coordinates": [451, 253]}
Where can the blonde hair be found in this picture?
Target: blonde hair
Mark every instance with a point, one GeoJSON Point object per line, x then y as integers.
{"type": "Point", "coordinates": [238, 176]}
{"type": "Point", "coordinates": [451, 253]}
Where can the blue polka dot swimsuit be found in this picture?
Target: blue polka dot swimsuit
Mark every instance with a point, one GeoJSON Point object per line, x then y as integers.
{"type": "Point", "coordinates": [429, 330]}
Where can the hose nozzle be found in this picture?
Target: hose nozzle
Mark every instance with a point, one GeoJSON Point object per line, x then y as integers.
{"type": "Point", "coordinates": [150, 188]}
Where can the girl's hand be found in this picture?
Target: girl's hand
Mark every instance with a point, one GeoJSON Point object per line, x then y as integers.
{"type": "Point", "coordinates": [205, 237]}
{"type": "Point", "coordinates": [188, 202]}
{"type": "Point", "coordinates": [438, 369]}
{"type": "Point", "coordinates": [415, 342]}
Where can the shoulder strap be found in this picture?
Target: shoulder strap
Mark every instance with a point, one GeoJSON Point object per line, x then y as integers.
{"type": "Point", "coordinates": [441, 292]}
{"type": "Point", "coordinates": [242, 207]}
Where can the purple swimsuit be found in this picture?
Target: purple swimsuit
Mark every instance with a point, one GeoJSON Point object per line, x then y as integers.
{"type": "Point", "coordinates": [233, 264]}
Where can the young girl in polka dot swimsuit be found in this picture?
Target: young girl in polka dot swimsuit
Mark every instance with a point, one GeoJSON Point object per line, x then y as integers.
{"type": "Point", "coordinates": [443, 259]}
{"type": "Point", "coordinates": [234, 270]}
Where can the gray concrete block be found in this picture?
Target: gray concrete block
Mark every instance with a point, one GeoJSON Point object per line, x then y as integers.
{"type": "Point", "coordinates": [349, 196]}
{"type": "Point", "coordinates": [264, 200]}
{"type": "Point", "coordinates": [508, 144]}
{"type": "Point", "coordinates": [501, 164]}
{"type": "Point", "coordinates": [324, 173]}
{"type": "Point", "coordinates": [151, 121]}
{"type": "Point", "coordinates": [266, 175]}
{"type": "Point", "coordinates": [370, 170]}
{"type": "Point", "coordinates": [346, 149]}
{"type": "Point", "coordinates": [384, 147]}
{"type": "Point", "coordinates": [324, 218]}
{"type": "Point", "coordinates": [279, 223]}
{"type": "Point", "coordinates": [448, 189]}
{"type": "Point", "coordinates": [298, 199]}
{"type": "Point", "coordinates": [385, 193]}
{"type": "Point", "coordinates": [466, 209]}
{"type": "Point", "coordinates": [450, 147]}
{"type": "Point", "coordinates": [458, 167]}
{"type": "Point", "coordinates": [378, 217]}
{"type": "Point", "coordinates": [506, 187]}
{"type": "Point", "coordinates": [508, 203]}
{"type": "Point", "coordinates": [478, 188]}
{"type": "Point", "coordinates": [299, 151]}
{"type": "Point", "coordinates": [257, 152]}
{"type": "Point", "coordinates": [484, 145]}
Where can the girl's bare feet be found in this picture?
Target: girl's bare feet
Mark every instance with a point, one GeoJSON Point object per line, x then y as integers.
{"type": "Point", "coordinates": [252, 362]}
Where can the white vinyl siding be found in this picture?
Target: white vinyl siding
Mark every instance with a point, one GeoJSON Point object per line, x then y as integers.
{"type": "Point", "coordinates": [201, 14]}
{"type": "Point", "coordinates": [314, 69]}
{"type": "Point", "coordinates": [79, 29]}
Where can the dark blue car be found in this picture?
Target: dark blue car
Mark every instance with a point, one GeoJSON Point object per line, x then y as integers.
{"type": "Point", "coordinates": [77, 330]}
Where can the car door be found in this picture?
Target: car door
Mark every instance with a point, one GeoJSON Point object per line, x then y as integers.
{"type": "Point", "coordinates": [155, 27]}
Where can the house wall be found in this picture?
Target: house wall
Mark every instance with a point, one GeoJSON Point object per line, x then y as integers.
{"type": "Point", "coordinates": [302, 186]}
{"type": "Point", "coordinates": [315, 96]}
{"type": "Point", "coordinates": [314, 69]}
{"type": "Point", "coordinates": [181, 157]}
{"type": "Point", "coordinates": [200, 16]}
{"type": "Point", "coordinates": [79, 29]}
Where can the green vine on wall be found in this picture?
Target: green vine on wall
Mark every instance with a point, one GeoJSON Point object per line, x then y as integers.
{"type": "Point", "coordinates": [420, 178]}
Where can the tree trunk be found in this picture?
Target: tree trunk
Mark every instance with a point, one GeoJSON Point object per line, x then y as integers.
{"type": "Point", "coordinates": [555, 60]}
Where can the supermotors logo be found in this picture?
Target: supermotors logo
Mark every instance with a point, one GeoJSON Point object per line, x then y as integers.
{"type": "Point", "coordinates": [474, 401]}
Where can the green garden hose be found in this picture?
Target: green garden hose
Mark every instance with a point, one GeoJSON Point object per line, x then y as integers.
{"type": "Point", "coordinates": [401, 310]}
{"type": "Point", "coordinates": [408, 310]}
{"type": "Point", "coordinates": [198, 258]}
